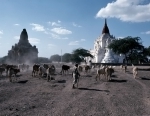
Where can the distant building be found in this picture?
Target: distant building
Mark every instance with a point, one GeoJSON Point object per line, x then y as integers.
{"type": "Point", "coordinates": [101, 52]}
{"type": "Point", "coordinates": [23, 51]}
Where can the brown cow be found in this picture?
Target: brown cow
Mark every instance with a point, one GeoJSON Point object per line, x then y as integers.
{"type": "Point", "coordinates": [11, 72]}
{"type": "Point", "coordinates": [108, 72]}
{"type": "Point", "coordinates": [2, 70]}
{"type": "Point", "coordinates": [65, 69]}
{"type": "Point", "coordinates": [80, 68]}
{"type": "Point", "coordinates": [87, 68]}
{"type": "Point", "coordinates": [10, 66]}
{"type": "Point", "coordinates": [35, 70]}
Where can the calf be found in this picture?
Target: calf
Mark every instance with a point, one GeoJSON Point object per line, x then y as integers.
{"type": "Point", "coordinates": [42, 71]}
{"type": "Point", "coordinates": [85, 67]}
{"type": "Point", "coordinates": [123, 68]}
{"type": "Point", "coordinates": [2, 70]}
{"type": "Point", "coordinates": [11, 72]}
{"type": "Point", "coordinates": [50, 71]}
{"type": "Point", "coordinates": [80, 68]}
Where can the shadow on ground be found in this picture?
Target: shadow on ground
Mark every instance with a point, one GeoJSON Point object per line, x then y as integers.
{"type": "Point", "coordinates": [114, 76]}
{"type": "Point", "coordinates": [144, 78]}
{"type": "Point", "coordinates": [129, 72]}
{"type": "Point", "coordinates": [61, 81]}
{"type": "Point", "coordinates": [118, 81]}
{"type": "Point", "coordinates": [92, 89]}
{"type": "Point", "coordinates": [23, 81]}
{"type": "Point", "coordinates": [144, 69]}
{"type": "Point", "coordinates": [19, 75]}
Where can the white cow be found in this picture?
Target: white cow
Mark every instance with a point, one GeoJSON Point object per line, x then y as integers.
{"type": "Point", "coordinates": [135, 72]}
{"type": "Point", "coordinates": [100, 72]}
{"type": "Point", "coordinates": [42, 71]}
{"type": "Point", "coordinates": [50, 71]}
{"type": "Point", "coordinates": [108, 72]}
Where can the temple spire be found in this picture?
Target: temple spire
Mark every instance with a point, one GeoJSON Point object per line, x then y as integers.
{"type": "Point", "coordinates": [105, 28]}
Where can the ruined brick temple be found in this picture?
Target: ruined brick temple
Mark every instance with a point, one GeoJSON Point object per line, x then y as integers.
{"type": "Point", "coordinates": [23, 51]}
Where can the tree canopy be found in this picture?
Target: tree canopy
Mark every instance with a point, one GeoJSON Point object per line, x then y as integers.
{"type": "Point", "coordinates": [66, 57]}
{"type": "Point", "coordinates": [131, 47]}
{"type": "Point", "coordinates": [78, 55]}
{"type": "Point", "coordinates": [43, 60]}
{"type": "Point", "coordinates": [55, 58]}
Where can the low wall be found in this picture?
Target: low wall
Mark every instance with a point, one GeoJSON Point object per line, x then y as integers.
{"type": "Point", "coordinates": [118, 64]}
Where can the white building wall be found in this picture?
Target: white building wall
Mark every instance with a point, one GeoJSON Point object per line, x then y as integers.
{"type": "Point", "coordinates": [100, 49]}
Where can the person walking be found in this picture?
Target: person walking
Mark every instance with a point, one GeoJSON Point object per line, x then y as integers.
{"type": "Point", "coordinates": [76, 76]}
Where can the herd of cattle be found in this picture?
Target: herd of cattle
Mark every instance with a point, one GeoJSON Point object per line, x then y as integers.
{"type": "Point", "coordinates": [12, 69]}
{"type": "Point", "coordinates": [49, 70]}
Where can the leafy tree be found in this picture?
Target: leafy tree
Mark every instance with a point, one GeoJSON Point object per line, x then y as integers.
{"type": "Point", "coordinates": [4, 59]}
{"type": "Point", "coordinates": [55, 58]}
{"type": "Point", "coordinates": [43, 60]}
{"type": "Point", "coordinates": [76, 58]}
{"type": "Point", "coordinates": [78, 55]}
{"type": "Point", "coordinates": [147, 51]}
{"type": "Point", "coordinates": [144, 54]}
{"type": "Point", "coordinates": [129, 46]}
{"type": "Point", "coordinates": [66, 57]}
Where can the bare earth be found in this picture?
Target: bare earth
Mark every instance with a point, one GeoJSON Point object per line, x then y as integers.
{"type": "Point", "coordinates": [31, 96]}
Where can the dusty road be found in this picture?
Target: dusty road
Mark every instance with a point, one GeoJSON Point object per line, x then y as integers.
{"type": "Point", "coordinates": [31, 96]}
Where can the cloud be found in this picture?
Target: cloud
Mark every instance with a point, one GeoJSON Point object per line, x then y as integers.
{"type": "Point", "coordinates": [34, 40]}
{"type": "Point", "coordinates": [83, 40]}
{"type": "Point", "coordinates": [16, 24]}
{"type": "Point", "coordinates": [1, 32]}
{"type": "Point", "coordinates": [147, 32]}
{"type": "Point", "coordinates": [74, 43]}
{"type": "Point", "coordinates": [16, 37]}
{"type": "Point", "coordinates": [51, 45]}
{"type": "Point", "coordinates": [76, 25]}
{"type": "Point", "coordinates": [55, 23]}
{"type": "Point", "coordinates": [126, 10]}
{"type": "Point", "coordinates": [59, 21]}
{"type": "Point", "coordinates": [61, 31]}
{"type": "Point", "coordinates": [37, 27]}
{"type": "Point", "coordinates": [47, 31]}
{"type": "Point", "coordinates": [55, 36]}
{"type": "Point", "coordinates": [120, 37]}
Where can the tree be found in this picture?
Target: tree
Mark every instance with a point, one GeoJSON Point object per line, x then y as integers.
{"type": "Point", "coordinates": [4, 59]}
{"type": "Point", "coordinates": [66, 57]}
{"type": "Point", "coordinates": [76, 58]}
{"type": "Point", "coordinates": [147, 51]}
{"type": "Point", "coordinates": [78, 55]}
{"type": "Point", "coordinates": [43, 60]}
{"type": "Point", "coordinates": [129, 46]}
{"type": "Point", "coordinates": [55, 58]}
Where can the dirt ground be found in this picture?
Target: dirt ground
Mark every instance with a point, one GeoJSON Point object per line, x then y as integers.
{"type": "Point", "coordinates": [31, 96]}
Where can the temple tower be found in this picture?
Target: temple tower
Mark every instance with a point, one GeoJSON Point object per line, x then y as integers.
{"type": "Point", "coordinates": [101, 52]}
{"type": "Point", "coordinates": [23, 51]}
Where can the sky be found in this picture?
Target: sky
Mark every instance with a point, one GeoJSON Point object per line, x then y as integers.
{"type": "Point", "coordinates": [55, 25]}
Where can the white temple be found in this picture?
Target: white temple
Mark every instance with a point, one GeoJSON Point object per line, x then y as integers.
{"type": "Point", "coordinates": [101, 52]}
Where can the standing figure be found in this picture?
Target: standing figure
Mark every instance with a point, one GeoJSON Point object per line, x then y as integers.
{"type": "Point", "coordinates": [75, 75]}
